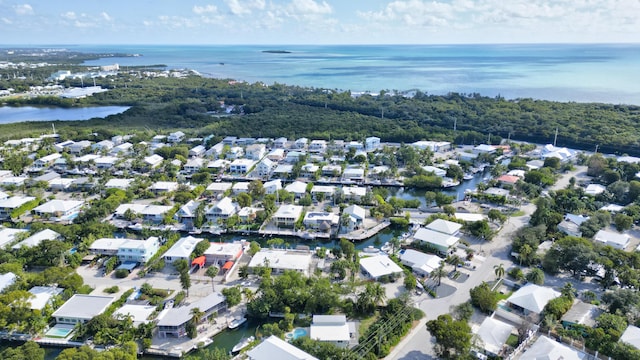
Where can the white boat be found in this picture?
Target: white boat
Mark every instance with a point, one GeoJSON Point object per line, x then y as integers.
{"type": "Point", "coordinates": [467, 177]}
{"type": "Point", "coordinates": [371, 249]}
{"type": "Point", "coordinates": [235, 323]}
{"type": "Point", "coordinates": [242, 344]}
{"type": "Point", "coordinates": [387, 247]}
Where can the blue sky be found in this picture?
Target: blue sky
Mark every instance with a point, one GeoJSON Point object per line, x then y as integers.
{"type": "Point", "coordinates": [317, 21]}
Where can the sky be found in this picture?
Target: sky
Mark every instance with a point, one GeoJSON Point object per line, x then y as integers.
{"type": "Point", "coordinates": [39, 22]}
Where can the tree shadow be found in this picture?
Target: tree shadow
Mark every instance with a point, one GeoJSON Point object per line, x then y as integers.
{"type": "Point", "coordinates": [417, 355]}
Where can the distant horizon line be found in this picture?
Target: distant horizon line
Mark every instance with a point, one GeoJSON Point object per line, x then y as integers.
{"type": "Point", "coordinates": [327, 44]}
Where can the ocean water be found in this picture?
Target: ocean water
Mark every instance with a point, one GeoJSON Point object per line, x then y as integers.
{"type": "Point", "coordinates": [568, 72]}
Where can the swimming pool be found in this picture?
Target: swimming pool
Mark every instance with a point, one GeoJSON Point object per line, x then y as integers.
{"type": "Point", "coordinates": [298, 332]}
{"type": "Point", "coordinates": [59, 331]}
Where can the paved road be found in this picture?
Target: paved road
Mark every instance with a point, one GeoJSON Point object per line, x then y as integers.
{"type": "Point", "coordinates": [419, 343]}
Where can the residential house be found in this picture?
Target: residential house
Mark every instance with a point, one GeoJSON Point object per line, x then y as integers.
{"type": "Point", "coordinates": [287, 215]}
{"type": "Point", "coordinates": [371, 143]}
{"type": "Point", "coordinates": [434, 146]}
{"type": "Point", "coordinates": [248, 214]}
{"type": "Point", "coordinates": [219, 188]}
{"type": "Point", "coordinates": [58, 208]}
{"type": "Point", "coordinates": [318, 146]}
{"type": "Point", "coordinates": [332, 170]}
{"type": "Point", "coordinates": [531, 299]}
{"type": "Point", "coordinates": [161, 187]}
{"type": "Point", "coordinates": [139, 251]}
{"type": "Point", "coordinates": [42, 296]}
{"type": "Point", "coordinates": [176, 137]}
{"type": "Point", "coordinates": [122, 149]}
{"type": "Point", "coordinates": [46, 161]}
{"type": "Point", "coordinates": [153, 161]}
{"type": "Point", "coordinates": [564, 154]}
{"type": "Point", "coordinates": [122, 184]}
{"type": "Point", "coordinates": [280, 143]}
{"type": "Point", "coordinates": [265, 168]}
{"type": "Point", "coordinates": [421, 263]}
{"type": "Point", "coordinates": [79, 309]}
{"type": "Point", "coordinates": [309, 170]}
{"type": "Point", "coordinates": [631, 336]}
{"type": "Point", "coordinates": [61, 184]}
{"type": "Point", "coordinates": [354, 193]}
{"type": "Point", "coordinates": [219, 165]}
{"type": "Point", "coordinates": [230, 141]}
{"type": "Point", "coordinates": [270, 187]}
{"type": "Point", "coordinates": [197, 151]}
{"type": "Point", "coordinates": [234, 153]}
{"type": "Point", "coordinates": [357, 146]}
{"type": "Point", "coordinates": [275, 348]}
{"type": "Point", "coordinates": [139, 314]}
{"type": "Point", "coordinates": [12, 203]}
{"type": "Point", "coordinates": [445, 227]}
{"type": "Point", "coordinates": [276, 155]}
{"type": "Point", "coordinates": [615, 240]}
{"type": "Point", "coordinates": [240, 187]}
{"type": "Point", "coordinates": [187, 213]}
{"type": "Point", "coordinates": [173, 322]}
{"type": "Point", "coordinates": [545, 348]}
{"type": "Point", "coordinates": [571, 224]}
{"type": "Point", "coordinates": [594, 189]}
{"type": "Point", "coordinates": [377, 266]}
{"type": "Point", "coordinates": [280, 260]}
{"type": "Point", "coordinates": [107, 246]}
{"type": "Point", "coordinates": [355, 215]}
{"type": "Point", "coordinates": [215, 151]}
{"type": "Point", "coordinates": [301, 143]}
{"type": "Point", "coordinates": [484, 149]}
{"type": "Point", "coordinates": [327, 191]}
{"type": "Point", "coordinates": [182, 249]}
{"type": "Point", "coordinates": [106, 162]}
{"type": "Point", "coordinates": [149, 213]}
{"type": "Point", "coordinates": [218, 254]}
{"type": "Point", "coordinates": [193, 165]}
{"type": "Point", "coordinates": [222, 210]}
{"type": "Point", "coordinates": [322, 221]}
{"type": "Point", "coordinates": [7, 280]}
{"type": "Point", "coordinates": [294, 156]}
{"type": "Point", "coordinates": [297, 188]}
{"type": "Point", "coordinates": [241, 166]}
{"type": "Point", "coordinates": [37, 238]}
{"type": "Point", "coordinates": [493, 335]}
{"type": "Point", "coordinates": [353, 174]}
{"type": "Point", "coordinates": [442, 242]}
{"type": "Point", "coordinates": [331, 329]}
{"type": "Point", "coordinates": [78, 147]}
{"type": "Point", "coordinates": [255, 152]}
{"type": "Point", "coordinates": [581, 314]}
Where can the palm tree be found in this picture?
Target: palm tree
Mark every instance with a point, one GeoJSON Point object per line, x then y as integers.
{"type": "Point", "coordinates": [212, 272]}
{"type": "Point", "coordinates": [568, 291]}
{"type": "Point", "coordinates": [499, 270]}
{"type": "Point", "coordinates": [439, 273]}
{"type": "Point", "coordinates": [525, 252]}
{"type": "Point", "coordinates": [377, 293]}
{"type": "Point", "coordinates": [395, 244]}
{"type": "Point", "coordinates": [196, 315]}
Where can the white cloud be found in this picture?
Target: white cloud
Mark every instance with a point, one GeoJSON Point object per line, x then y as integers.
{"type": "Point", "coordinates": [207, 9]}
{"type": "Point", "coordinates": [105, 16]}
{"type": "Point", "coordinates": [176, 22]}
{"type": "Point", "coordinates": [6, 21]}
{"type": "Point", "coordinates": [69, 15]}
{"type": "Point", "coordinates": [23, 9]}
{"type": "Point", "coordinates": [309, 7]}
{"type": "Point", "coordinates": [245, 7]}
{"type": "Point", "coordinates": [84, 24]}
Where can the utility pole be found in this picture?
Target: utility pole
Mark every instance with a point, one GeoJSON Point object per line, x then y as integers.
{"type": "Point", "coordinates": [597, 148]}
{"type": "Point", "coordinates": [555, 138]}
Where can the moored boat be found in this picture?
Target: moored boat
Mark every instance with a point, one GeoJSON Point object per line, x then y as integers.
{"type": "Point", "coordinates": [235, 323]}
{"type": "Point", "coordinates": [242, 344]}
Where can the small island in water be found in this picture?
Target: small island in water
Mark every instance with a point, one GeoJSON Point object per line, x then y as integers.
{"type": "Point", "coordinates": [276, 51]}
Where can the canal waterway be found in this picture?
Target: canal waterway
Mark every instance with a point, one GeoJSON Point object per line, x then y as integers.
{"type": "Point", "coordinates": [11, 114]}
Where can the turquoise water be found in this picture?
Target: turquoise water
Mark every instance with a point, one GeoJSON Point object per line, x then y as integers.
{"type": "Point", "coordinates": [298, 332]}
{"type": "Point", "coordinates": [59, 332]}
{"type": "Point", "coordinates": [564, 72]}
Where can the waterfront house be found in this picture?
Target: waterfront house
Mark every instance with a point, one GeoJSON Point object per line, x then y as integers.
{"type": "Point", "coordinates": [107, 246]}
{"type": "Point", "coordinates": [297, 188]}
{"type": "Point", "coordinates": [218, 254]}
{"type": "Point", "coordinates": [322, 221]}
{"type": "Point", "coordinates": [353, 174]}
{"type": "Point", "coordinates": [328, 191]}
{"type": "Point", "coordinates": [270, 187]}
{"type": "Point", "coordinates": [264, 168]}
{"type": "Point", "coordinates": [445, 227]}
{"type": "Point", "coordinates": [287, 215]}
{"type": "Point", "coordinates": [219, 188]}
{"type": "Point", "coordinates": [122, 149]}
{"type": "Point", "coordinates": [222, 210]}
{"type": "Point", "coordinates": [42, 295]}
{"type": "Point", "coordinates": [355, 217]}
{"type": "Point", "coordinates": [81, 308]}
{"type": "Point", "coordinates": [354, 193]}
{"type": "Point", "coordinates": [332, 170]}
{"type": "Point", "coordinates": [173, 321]}
{"type": "Point", "coordinates": [279, 260]}
{"type": "Point", "coordinates": [441, 242]}
{"type": "Point", "coordinates": [282, 171]}
{"type": "Point", "coordinates": [275, 348]}
{"type": "Point", "coordinates": [332, 329]}
{"type": "Point", "coordinates": [234, 153]}
{"type": "Point", "coordinates": [182, 249]}
{"type": "Point", "coordinates": [187, 213]}
{"type": "Point", "coordinates": [294, 156]}
{"type": "Point", "coordinates": [240, 187]}
{"type": "Point", "coordinates": [139, 314]}
{"type": "Point", "coordinates": [241, 166]}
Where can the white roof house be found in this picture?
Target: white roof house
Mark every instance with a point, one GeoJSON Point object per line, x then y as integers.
{"type": "Point", "coordinates": [164, 186]}
{"type": "Point", "coordinates": [594, 189]}
{"type": "Point", "coordinates": [7, 280]}
{"type": "Point", "coordinates": [122, 184]}
{"type": "Point", "coordinates": [631, 336]}
{"type": "Point", "coordinates": [221, 210]}
{"type": "Point", "coordinates": [107, 246]}
{"type": "Point", "coordinates": [219, 187]}
{"type": "Point", "coordinates": [298, 188]}
{"type": "Point", "coordinates": [81, 308]}
{"type": "Point", "coordinates": [327, 190]}
{"type": "Point", "coordinates": [37, 238]}
{"type": "Point", "coordinates": [275, 348]}
{"type": "Point", "coordinates": [615, 240]}
{"type": "Point", "coordinates": [139, 313]}
{"type": "Point", "coordinates": [105, 162]}
{"type": "Point", "coordinates": [154, 160]}
{"type": "Point", "coordinates": [436, 171]}
{"type": "Point", "coordinates": [330, 328]}
{"type": "Point", "coordinates": [61, 183]}
{"type": "Point", "coordinates": [421, 263]}
{"type": "Point", "coordinates": [354, 192]}
{"type": "Point", "coordinates": [494, 334]}
{"type": "Point", "coordinates": [182, 249]}
{"type": "Point", "coordinates": [8, 235]}
{"type": "Point", "coordinates": [58, 208]}
{"type": "Point", "coordinates": [441, 241]}
{"type": "Point", "coordinates": [220, 253]}
{"type": "Point", "coordinates": [532, 298]}
{"type": "Point", "coordinates": [42, 296]}
{"type": "Point", "coordinates": [240, 187]}
{"type": "Point", "coordinates": [270, 187]}
{"type": "Point", "coordinates": [547, 349]}
{"type": "Point", "coordinates": [280, 260]}
{"type": "Point", "coordinates": [444, 226]}
{"type": "Point", "coordinates": [287, 215]}
{"type": "Point", "coordinates": [379, 265]}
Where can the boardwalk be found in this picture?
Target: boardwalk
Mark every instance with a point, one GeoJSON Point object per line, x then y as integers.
{"type": "Point", "coordinates": [365, 234]}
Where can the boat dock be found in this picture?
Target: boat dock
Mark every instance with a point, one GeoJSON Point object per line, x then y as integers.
{"type": "Point", "coordinates": [367, 233]}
